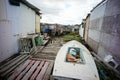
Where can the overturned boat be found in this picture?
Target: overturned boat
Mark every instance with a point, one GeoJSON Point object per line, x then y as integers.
{"type": "Point", "coordinates": [74, 62]}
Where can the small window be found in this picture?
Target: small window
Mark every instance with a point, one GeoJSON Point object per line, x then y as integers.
{"type": "Point", "coordinates": [74, 54]}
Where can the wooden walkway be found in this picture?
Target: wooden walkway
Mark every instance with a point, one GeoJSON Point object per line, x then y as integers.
{"type": "Point", "coordinates": [33, 70]}
{"type": "Point", "coordinates": [6, 69]}
{"type": "Point", "coordinates": [31, 66]}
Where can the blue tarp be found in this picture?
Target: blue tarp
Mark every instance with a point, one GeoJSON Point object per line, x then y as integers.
{"type": "Point", "coordinates": [47, 30]}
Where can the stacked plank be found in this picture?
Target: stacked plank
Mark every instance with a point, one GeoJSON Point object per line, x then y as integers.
{"type": "Point", "coordinates": [33, 70]}
{"type": "Point", "coordinates": [7, 68]}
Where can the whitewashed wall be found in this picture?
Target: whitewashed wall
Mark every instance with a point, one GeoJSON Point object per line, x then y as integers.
{"type": "Point", "coordinates": [81, 30]}
{"type": "Point", "coordinates": [96, 20]}
{"type": "Point", "coordinates": [14, 20]}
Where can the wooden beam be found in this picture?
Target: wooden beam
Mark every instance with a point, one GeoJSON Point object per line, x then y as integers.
{"type": "Point", "coordinates": [29, 73]}
{"type": "Point", "coordinates": [33, 77]}
{"type": "Point", "coordinates": [7, 63]}
{"type": "Point", "coordinates": [48, 71]}
{"type": "Point", "coordinates": [12, 64]}
{"type": "Point", "coordinates": [26, 69]}
{"type": "Point", "coordinates": [19, 70]}
{"type": "Point", "coordinates": [9, 71]}
{"type": "Point", "coordinates": [109, 66]}
{"type": "Point", "coordinates": [42, 72]}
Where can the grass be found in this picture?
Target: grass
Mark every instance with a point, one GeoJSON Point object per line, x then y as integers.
{"type": "Point", "coordinates": [72, 36]}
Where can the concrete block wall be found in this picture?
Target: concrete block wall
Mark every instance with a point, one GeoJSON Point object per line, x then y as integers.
{"type": "Point", "coordinates": [104, 29]}
{"type": "Point", "coordinates": [110, 30]}
{"type": "Point", "coordinates": [96, 20]}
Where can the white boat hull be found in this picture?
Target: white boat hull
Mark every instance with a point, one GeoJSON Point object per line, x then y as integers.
{"type": "Point", "coordinates": [68, 71]}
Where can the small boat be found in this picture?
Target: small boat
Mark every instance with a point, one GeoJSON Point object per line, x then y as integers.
{"type": "Point", "coordinates": [70, 67]}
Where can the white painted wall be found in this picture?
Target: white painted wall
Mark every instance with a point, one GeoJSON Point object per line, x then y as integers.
{"type": "Point", "coordinates": [81, 30]}
{"type": "Point", "coordinates": [22, 18]}
{"type": "Point", "coordinates": [14, 20]}
{"type": "Point", "coordinates": [95, 27]}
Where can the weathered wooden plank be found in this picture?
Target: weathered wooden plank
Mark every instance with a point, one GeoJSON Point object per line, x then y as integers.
{"type": "Point", "coordinates": [19, 70]}
{"type": "Point", "coordinates": [44, 42]}
{"type": "Point", "coordinates": [12, 64]}
{"type": "Point", "coordinates": [48, 71]}
{"type": "Point", "coordinates": [40, 49]}
{"type": "Point", "coordinates": [102, 61]}
{"type": "Point", "coordinates": [26, 69]}
{"type": "Point", "coordinates": [29, 73]}
{"type": "Point", "coordinates": [42, 72]}
{"type": "Point", "coordinates": [7, 63]}
{"type": "Point", "coordinates": [9, 71]}
{"type": "Point", "coordinates": [37, 71]}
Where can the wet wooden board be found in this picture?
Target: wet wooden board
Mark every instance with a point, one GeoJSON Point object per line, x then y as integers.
{"type": "Point", "coordinates": [33, 70]}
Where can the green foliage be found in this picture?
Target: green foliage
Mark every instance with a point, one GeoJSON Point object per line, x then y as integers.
{"type": "Point", "coordinates": [72, 36]}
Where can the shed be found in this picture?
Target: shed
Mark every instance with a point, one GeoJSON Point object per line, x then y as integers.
{"type": "Point", "coordinates": [17, 17]}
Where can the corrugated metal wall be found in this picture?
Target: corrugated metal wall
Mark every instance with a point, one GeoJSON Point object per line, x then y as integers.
{"type": "Point", "coordinates": [14, 20]}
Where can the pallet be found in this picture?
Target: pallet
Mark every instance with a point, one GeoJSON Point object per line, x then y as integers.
{"type": "Point", "coordinates": [33, 70]}
{"type": "Point", "coordinates": [7, 68]}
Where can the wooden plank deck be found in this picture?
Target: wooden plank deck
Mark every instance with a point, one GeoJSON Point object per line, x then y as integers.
{"type": "Point", "coordinates": [33, 70]}
{"type": "Point", "coordinates": [7, 68]}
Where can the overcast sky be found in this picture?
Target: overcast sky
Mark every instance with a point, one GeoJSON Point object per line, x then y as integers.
{"type": "Point", "coordinates": [64, 11]}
